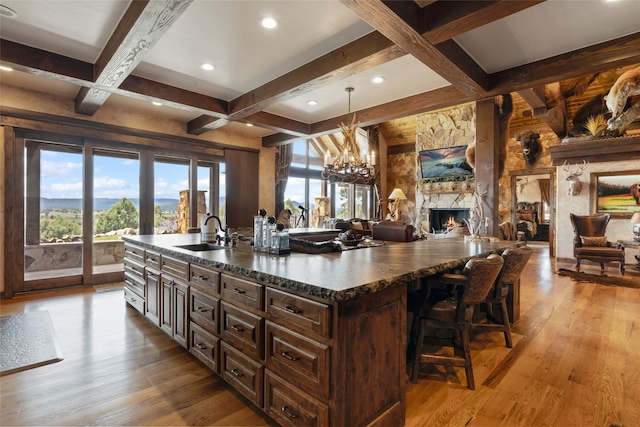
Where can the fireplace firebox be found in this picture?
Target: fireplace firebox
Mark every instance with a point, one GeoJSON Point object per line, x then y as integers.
{"type": "Point", "coordinates": [443, 219]}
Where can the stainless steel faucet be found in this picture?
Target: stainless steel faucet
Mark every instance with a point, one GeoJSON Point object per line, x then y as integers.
{"type": "Point", "coordinates": [226, 239]}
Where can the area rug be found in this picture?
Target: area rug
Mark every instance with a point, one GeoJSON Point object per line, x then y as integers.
{"type": "Point", "coordinates": [603, 279]}
{"type": "Point", "coordinates": [109, 287]}
{"type": "Point", "coordinates": [27, 340]}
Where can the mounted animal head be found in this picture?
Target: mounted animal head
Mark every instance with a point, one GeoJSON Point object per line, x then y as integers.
{"type": "Point", "coordinates": [530, 144]}
{"type": "Point", "coordinates": [573, 179]}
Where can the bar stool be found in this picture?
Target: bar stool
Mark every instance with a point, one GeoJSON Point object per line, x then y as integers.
{"type": "Point", "coordinates": [454, 314]}
{"type": "Point", "coordinates": [514, 261]}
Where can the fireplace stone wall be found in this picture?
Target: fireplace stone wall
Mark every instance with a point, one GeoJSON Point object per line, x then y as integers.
{"type": "Point", "coordinates": [449, 128]}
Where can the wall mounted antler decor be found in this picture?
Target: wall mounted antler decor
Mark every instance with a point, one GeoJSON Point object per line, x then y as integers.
{"type": "Point", "coordinates": [573, 179]}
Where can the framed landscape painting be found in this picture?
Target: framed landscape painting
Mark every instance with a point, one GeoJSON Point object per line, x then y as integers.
{"type": "Point", "coordinates": [616, 193]}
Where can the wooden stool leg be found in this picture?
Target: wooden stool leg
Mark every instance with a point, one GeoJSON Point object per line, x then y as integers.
{"type": "Point", "coordinates": [468, 369]}
{"type": "Point", "coordinates": [505, 322]}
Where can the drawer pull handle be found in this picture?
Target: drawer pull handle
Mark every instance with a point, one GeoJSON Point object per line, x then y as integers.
{"type": "Point", "coordinates": [292, 310]}
{"type": "Point", "coordinates": [237, 328]}
{"type": "Point", "coordinates": [152, 259]}
{"type": "Point", "coordinates": [289, 356]}
{"type": "Point", "coordinates": [287, 411]}
{"type": "Point", "coordinates": [202, 309]}
{"type": "Point", "coordinates": [200, 346]}
{"type": "Point", "coordinates": [201, 277]}
{"type": "Point", "coordinates": [235, 372]}
{"type": "Point", "coordinates": [238, 291]}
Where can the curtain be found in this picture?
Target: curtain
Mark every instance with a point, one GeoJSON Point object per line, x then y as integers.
{"type": "Point", "coordinates": [284, 154]}
{"type": "Point", "coordinates": [544, 193]}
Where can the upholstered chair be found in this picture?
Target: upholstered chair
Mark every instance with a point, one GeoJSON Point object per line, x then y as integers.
{"type": "Point", "coordinates": [514, 261]}
{"type": "Point", "coordinates": [590, 242]}
{"type": "Point", "coordinates": [454, 314]}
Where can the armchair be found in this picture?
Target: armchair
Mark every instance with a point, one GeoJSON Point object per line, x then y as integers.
{"type": "Point", "coordinates": [590, 242]}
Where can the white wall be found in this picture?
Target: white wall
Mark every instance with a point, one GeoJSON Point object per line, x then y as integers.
{"type": "Point", "coordinates": [618, 229]}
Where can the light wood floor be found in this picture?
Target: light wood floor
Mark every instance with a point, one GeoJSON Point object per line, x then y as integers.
{"type": "Point", "coordinates": [575, 362]}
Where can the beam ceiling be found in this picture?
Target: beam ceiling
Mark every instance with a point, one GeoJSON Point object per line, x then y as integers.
{"type": "Point", "coordinates": [425, 30]}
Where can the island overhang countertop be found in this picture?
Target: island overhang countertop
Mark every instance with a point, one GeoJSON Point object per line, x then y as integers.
{"type": "Point", "coordinates": [334, 276]}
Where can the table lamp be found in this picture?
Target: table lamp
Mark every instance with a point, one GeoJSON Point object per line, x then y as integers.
{"type": "Point", "coordinates": [635, 220]}
{"type": "Point", "coordinates": [394, 211]}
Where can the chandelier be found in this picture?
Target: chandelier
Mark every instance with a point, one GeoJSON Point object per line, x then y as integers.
{"type": "Point", "coordinates": [350, 166]}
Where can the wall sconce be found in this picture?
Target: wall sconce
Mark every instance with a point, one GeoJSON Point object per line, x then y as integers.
{"type": "Point", "coordinates": [635, 220]}
{"type": "Point", "coordinates": [394, 206]}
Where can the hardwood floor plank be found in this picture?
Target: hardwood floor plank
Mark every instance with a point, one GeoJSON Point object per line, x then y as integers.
{"type": "Point", "coordinates": [574, 362]}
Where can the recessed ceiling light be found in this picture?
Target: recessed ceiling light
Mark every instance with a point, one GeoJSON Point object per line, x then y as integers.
{"type": "Point", "coordinates": [7, 12]}
{"type": "Point", "coordinates": [157, 103]}
{"type": "Point", "coordinates": [377, 79]}
{"type": "Point", "coordinates": [5, 68]}
{"type": "Point", "coordinates": [208, 67]}
{"type": "Point", "coordinates": [250, 124]}
{"type": "Point", "coordinates": [312, 102]}
{"type": "Point", "coordinates": [269, 22]}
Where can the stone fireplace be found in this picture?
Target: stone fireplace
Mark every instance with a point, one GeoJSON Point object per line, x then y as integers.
{"type": "Point", "coordinates": [443, 219]}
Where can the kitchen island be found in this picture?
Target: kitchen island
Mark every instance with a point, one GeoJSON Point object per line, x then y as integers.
{"type": "Point", "coordinates": [310, 339]}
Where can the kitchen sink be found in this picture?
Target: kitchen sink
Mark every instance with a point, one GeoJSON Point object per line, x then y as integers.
{"type": "Point", "coordinates": [199, 247]}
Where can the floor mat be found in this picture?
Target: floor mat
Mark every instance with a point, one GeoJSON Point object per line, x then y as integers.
{"type": "Point", "coordinates": [603, 279]}
{"type": "Point", "coordinates": [27, 340]}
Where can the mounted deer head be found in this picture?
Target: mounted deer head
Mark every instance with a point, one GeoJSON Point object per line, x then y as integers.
{"type": "Point", "coordinates": [574, 183]}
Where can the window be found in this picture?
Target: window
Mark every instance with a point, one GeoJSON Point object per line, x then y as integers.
{"type": "Point", "coordinates": [306, 189]}
{"type": "Point", "coordinates": [81, 195]}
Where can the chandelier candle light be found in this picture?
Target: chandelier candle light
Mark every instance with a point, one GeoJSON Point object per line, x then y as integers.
{"type": "Point", "coordinates": [349, 166]}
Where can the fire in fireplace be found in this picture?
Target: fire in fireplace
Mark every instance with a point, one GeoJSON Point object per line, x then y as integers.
{"type": "Point", "coordinates": [444, 219]}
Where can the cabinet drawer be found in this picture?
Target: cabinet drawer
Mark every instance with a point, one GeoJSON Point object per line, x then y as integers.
{"type": "Point", "coordinates": [241, 292]}
{"type": "Point", "coordinates": [299, 314]}
{"type": "Point", "coordinates": [152, 258]}
{"type": "Point", "coordinates": [305, 363]}
{"type": "Point", "coordinates": [134, 284]}
{"type": "Point", "coordinates": [175, 267]}
{"type": "Point", "coordinates": [204, 346]}
{"type": "Point", "coordinates": [205, 278]}
{"type": "Point", "coordinates": [244, 374]}
{"type": "Point", "coordinates": [203, 310]}
{"type": "Point", "coordinates": [243, 329]}
{"type": "Point", "coordinates": [134, 252]}
{"type": "Point", "coordinates": [291, 407]}
{"type": "Point", "coordinates": [135, 300]}
{"type": "Point", "coordinates": [134, 268]}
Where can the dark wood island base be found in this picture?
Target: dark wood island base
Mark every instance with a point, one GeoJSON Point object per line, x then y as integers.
{"type": "Point", "coordinates": [310, 339]}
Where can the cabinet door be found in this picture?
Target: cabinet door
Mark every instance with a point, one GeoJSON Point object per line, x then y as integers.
{"type": "Point", "coordinates": [180, 319]}
{"type": "Point", "coordinates": [166, 304]}
{"type": "Point", "coordinates": [152, 296]}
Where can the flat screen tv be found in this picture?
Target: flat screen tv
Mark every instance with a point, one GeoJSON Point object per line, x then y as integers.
{"type": "Point", "coordinates": [444, 163]}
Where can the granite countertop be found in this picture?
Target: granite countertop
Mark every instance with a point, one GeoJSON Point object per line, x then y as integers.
{"type": "Point", "coordinates": [335, 276]}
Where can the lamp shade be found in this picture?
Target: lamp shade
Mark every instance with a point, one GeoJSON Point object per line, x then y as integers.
{"type": "Point", "coordinates": [635, 219]}
{"type": "Point", "coordinates": [397, 194]}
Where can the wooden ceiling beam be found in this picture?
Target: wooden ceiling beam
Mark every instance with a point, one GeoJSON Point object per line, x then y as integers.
{"type": "Point", "coordinates": [278, 124]}
{"type": "Point", "coordinates": [39, 62]}
{"type": "Point", "coordinates": [536, 99]}
{"type": "Point", "coordinates": [448, 59]}
{"type": "Point", "coordinates": [443, 20]}
{"type": "Point", "coordinates": [145, 89]}
{"type": "Point", "coordinates": [369, 51]}
{"type": "Point", "coordinates": [432, 100]}
{"type": "Point", "coordinates": [142, 25]}
{"type": "Point", "coordinates": [205, 123]}
{"type": "Point", "coordinates": [604, 56]}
